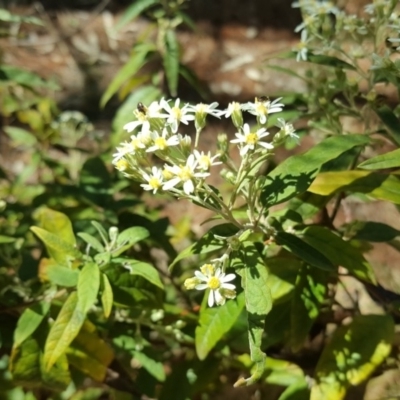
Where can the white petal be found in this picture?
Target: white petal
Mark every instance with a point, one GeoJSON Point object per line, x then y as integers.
{"type": "Point", "coordinates": [170, 184]}
{"type": "Point", "coordinates": [201, 286]}
{"type": "Point", "coordinates": [229, 286]}
{"type": "Point", "coordinates": [228, 278]}
{"type": "Point", "coordinates": [211, 298]}
{"type": "Point", "coordinates": [188, 187]}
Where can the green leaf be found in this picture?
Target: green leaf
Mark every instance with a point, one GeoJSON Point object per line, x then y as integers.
{"type": "Point", "coordinates": [6, 239]}
{"type": "Point", "coordinates": [339, 252]}
{"type": "Point", "coordinates": [29, 321]}
{"type": "Point", "coordinates": [91, 241]}
{"type": "Point", "coordinates": [296, 173]}
{"type": "Point", "coordinates": [296, 391]}
{"type": "Point", "coordinates": [153, 367]}
{"type": "Point", "coordinates": [144, 270]}
{"type": "Point", "coordinates": [258, 299]}
{"type": "Point", "coordinates": [20, 137]}
{"type": "Point", "coordinates": [58, 274]}
{"type": "Point", "coordinates": [374, 231]}
{"type": "Point", "coordinates": [303, 250]}
{"type": "Point", "coordinates": [134, 10]}
{"type": "Point", "coordinates": [214, 323]}
{"type": "Point", "coordinates": [282, 372]}
{"type": "Point", "coordinates": [329, 61]}
{"type": "Point", "coordinates": [208, 243]}
{"type": "Point", "coordinates": [27, 368]}
{"type": "Point", "coordinates": [106, 296]}
{"type": "Point", "coordinates": [309, 294]}
{"type": "Point", "coordinates": [24, 78]}
{"type": "Point", "coordinates": [171, 61]}
{"type": "Point", "coordinates": [129, 237]}
{"type": "Point", "coordinates": [64, 330]}
{"type": "Point", "coordinates": [352, 355]}
{"type": "Point", "coordinates": [58, 249]}
{"type": "Point", "coordinates": [388, 160]}
{"type": "Point", "coordinates": [57, 223]}
{"type": "Point", "coordinates": [380, 186]}
{"type": "Point", "coordinates": [90, 354]}
{"type": "Point", "coordinates": [131, 67]}
{"type": "Point", "coordinates": [391, 122]}
{"type": "Point", "coordinates": [88, 286]}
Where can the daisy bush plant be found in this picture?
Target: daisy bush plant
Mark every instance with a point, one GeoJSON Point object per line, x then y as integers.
{"type": "Point", "coordinates": [238, 256]}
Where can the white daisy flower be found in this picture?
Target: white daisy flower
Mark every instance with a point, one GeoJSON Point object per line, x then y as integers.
{"type": "Point", "coordinates": [250, 140]}
{"type": "Point", "coordinates": [154, 181]}
{"type": "Point", "coordinates": [203, 109]}
{"type": "Point", "coordinates": [206, 161]}
{"type": "Point", "coordinates": [176, 115]}
{"type": "Point", "coordinates": [232, 108]}
{"type": "Point", "coordinates": [143, 115]}
{"type": "Point", "coordinates": [184, 174]}
{"type": "Point", "coordinates": [286, 129]}
{"type": "Point", "coordinates": [124, 149]}
{"type": "Point", "coordinates": [217, 282]}
{"type": "Point", "coordinates": [263, 107]}
{"type": "Point", "coordinates": [162, 142]}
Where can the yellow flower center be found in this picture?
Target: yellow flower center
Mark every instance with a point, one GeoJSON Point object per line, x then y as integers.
{"type": "Point", "coordinates": [122, 164]}
{"type": "Point", "coordinates": [185, 174]}
{"type": "Point", "coordinates": [177, 112]}
{"type": "Point", "coordinates": [214, 283]}
{"type": "Point", "coordinates": [154, 182]}
{"type": "Point", "coordinates": [161, 143]}
{"type": "Point", "coordinates": [251, 138]}
{"type": "Point", "coordinates": [205, 162]}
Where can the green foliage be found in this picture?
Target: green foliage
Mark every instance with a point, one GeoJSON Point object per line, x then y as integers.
{"type": "Point", "coordinates": [93, 293]}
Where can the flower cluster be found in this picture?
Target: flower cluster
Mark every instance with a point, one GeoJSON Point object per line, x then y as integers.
{"type": "Point", "coordinates": [162, 159]}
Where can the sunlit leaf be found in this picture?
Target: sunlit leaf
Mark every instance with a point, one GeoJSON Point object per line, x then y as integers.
{"type": "Point", "coordinates": [88, 286]}
{"type": "Point", "coordinates": [64, 330]}
{"type": "Point", "coordinates": [91, 241]}
{"type": "Point", "coordinates": [388, 160]}
{"type": "Point", "coordinates": [380, 186]}
{"type": "Point", "coordinates": [29, 320]}
{"type": "Point", "coordinates": [57, 223]}
{"type": "Point", "coordinates": [144, 270]}
{"type": "Point", "coordinates": [294, 175]}
{"type": "Point", "coordinates": [58, 249]}
{"type": "Point", "coordinates": [106, 296]}
{"type": "Point", "coordinates": [50, 270]}
{"type": "Point", "coordinates": [352, 355]}
{"type": "Point", "coordinates": [215, 322]}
